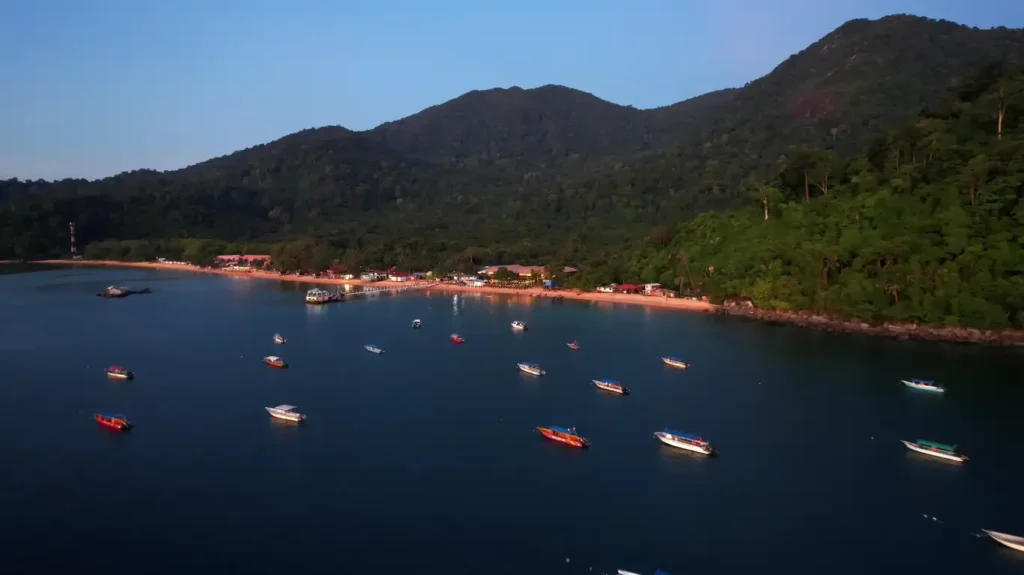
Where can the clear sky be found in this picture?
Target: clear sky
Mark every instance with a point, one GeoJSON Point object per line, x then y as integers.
{"type": "Point", "coordinates": [91, 88]}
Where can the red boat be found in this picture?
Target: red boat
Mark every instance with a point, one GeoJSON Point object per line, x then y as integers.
{"type": "Point", "coordinates": [573, 345]}
{"type": "Point", "coordinates": [274, 361]}
{"type": "Point", "coordinates": [456, 338]}
{"type": "Point", "coordinates": [113, 420]}
{"type": "Point", "coordinates": [563, 435]}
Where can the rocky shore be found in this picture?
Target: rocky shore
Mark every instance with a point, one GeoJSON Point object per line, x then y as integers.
{"type": "Point", "coordinates": [903, 331]}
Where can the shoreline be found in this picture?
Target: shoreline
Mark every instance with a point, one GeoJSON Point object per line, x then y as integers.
{"type": "Point", "coordinates": [804, 319]}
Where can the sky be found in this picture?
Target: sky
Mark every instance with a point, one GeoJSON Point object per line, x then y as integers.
{"type": "Point", "coordinates": [93, 88]}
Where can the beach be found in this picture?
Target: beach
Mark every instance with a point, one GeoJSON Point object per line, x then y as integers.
{"type": "Point", "coordinates": [535, 292]}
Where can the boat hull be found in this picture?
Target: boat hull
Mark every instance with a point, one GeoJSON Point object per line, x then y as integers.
{"type": "Point", "coordinates": [922, 387]}
{"type": "Point", "coordinates": [277, 364]}
{"type": "Point", "coordinates": [120, 375]}
{"type": "Point", "coordinates": [571, 440]}
{"type": "Point", "coordinates": [671, 441]}
{"type": "Point", "coordinates": [531, 370]}
{"type": "Point", "coordinates": [613, 388]}
{"type": "Point", "coordinates": [1011, 541]}
{"type": "Point", "coordinates": [116, 424]}
{"type": "Point", "coordinates": [934, 452]}
{"type": "Point", "coordinates": [676, 364]}
{"type": "Point", "coordinates": [293, 417]}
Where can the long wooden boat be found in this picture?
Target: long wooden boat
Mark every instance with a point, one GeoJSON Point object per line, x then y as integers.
{"type": "Point", "coordinates": [1011, 541]}
{"type": "Point", "coordinates": [924, 385]}
{"type": "Point", "coordinates": [687, 441]}
{"type": "Point", "coordinates": [116, 421]}
{"type": "Point", "coordinates": [934, 449]}
{"type": "Point", "coordinates": [675, 362]}
{"type": "Point", "coordinates": [274, 361]}
{"type": "Point", "coordinates": [530, 368]}
{"type": "Point", "coordinates": [564, 435]}
{"type": "Point", "coordinates": [611, 385]}
{"type": "Point", "coordinates": [118, 372]}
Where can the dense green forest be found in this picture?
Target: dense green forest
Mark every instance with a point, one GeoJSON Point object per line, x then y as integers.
{"type": "Point", "coordinates": [804, 189]}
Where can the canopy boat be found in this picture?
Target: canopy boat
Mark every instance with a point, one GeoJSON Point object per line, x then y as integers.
{"type": "Point", "coordinates": [940, 450]}
{"type": "Point", "coordinates": [573, 345]}
{"type": "Point", "coordinates": [456, 338]}
{"type": "Point", "coordinates": [531, 368]}
{"type": "Point", "coordinates": [318, 296]}
{"type": "Point", "coordinates": [518, 325]}
{"type": "Point", "coordinates": [113, 420]}
{"type": "Point", "coordinates": [286, 412]}
{"type": "Point", "coordinates": [675, 362]}
{"type": "Point", "coordinates": [278, 338]}
{"type": "Point", "coordinates": [416, 323]}
{"type": "Point", "coordinates": [274, 361]}
{"type": "Point", "coordinates": [611, 385]}
{"type": "Point", "coordinates": [924, 385]}
{"type": "Point", "coordinates": [118, 372]}
{"type": "Point", "coordinates": [1011, 541]}
{"type": "Point", "coordinates": [687, 441]}
{"type": "Point", "coordinates": [563, 435]}
{"type": "Point", "coordinates": [372, 348]}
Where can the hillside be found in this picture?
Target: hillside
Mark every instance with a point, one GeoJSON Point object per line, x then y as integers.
{"type": "Point", "coordinates": [515, 174]}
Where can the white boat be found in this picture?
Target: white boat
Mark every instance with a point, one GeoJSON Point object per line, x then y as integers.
{"type": "Point", "coordinates": [1011, 541]}
{"type": "Point", "coordinates": [940, 450]}
{"type": "Point", "coordinates": [372, 348]}
{"type": "Point", "coordinates": [278, 338]}
{"type": "Point", "coordinates": [924, 385]}
{"type": "Point", "coordinates": [624, 572]}
{"type": "Point", "coordinates": [519, 325]}
{"type": "Point", "coordinates": [416, 323]}
{"type": "Point", "coordinates": [675, 362]}
{"type": "Point", "coordinates": [611, 385]}
{"type": "Point", "coordinates": [531, 368]}
{"type": "Point", "coordinates": [686, 441]}
{"type": "Point", "coordinates": [317, 295]}
{"type": "Point", "coordinates": [286, 412]}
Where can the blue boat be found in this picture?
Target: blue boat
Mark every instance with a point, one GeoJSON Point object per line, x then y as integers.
{"type": "Point", "coordinates": [924, 385]}
{"type": "Point", "coordinates": [372, 348]}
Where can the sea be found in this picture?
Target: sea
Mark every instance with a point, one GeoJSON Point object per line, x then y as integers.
{"type": "Point", "coordinates": [425, 459]}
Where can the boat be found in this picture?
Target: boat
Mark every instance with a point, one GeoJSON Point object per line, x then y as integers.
{"type": "Point", "coordinates": [675, 362]}
{"type": "Point", "coordinates": [372, 348]}
{"type": "Point", "coordinates": [611, 385]}
{"type": "Point", "coordinates": [531, 368]}
{"type": "Point", "coordinates": [924, 385]}
{"type": "Point", "coordinates": [278, 338]}
{"type": "Point", "coordinates": [624, 572]}
{"type": "Point", "coordinates": [286, 412]}
{"type": "Point", "coordinates": [940, 450]}
{"type": "Point", "coordinates": [687, 441]}
{"type": "Point", "coordinates": [563, 435]}
{"type": "Point", "coordinates": [573, 345]}
{"type": "Point", "coordinates": [113, 421]}
{"type": "Point", "coordinates": [274, 361]}
{"type": "Point", "coordinates": [1011, 541]}
{"type": "Point", "coordinates": [118, 372]}
{"type": "Point", "coordinates": [416, 323]}
{"type": "Point", "coordinates": [456, 338]}
{"type": "Point", "coordinates": [318, 296]}
{"type": "Point", "coordinates": [121, 292]}
{"type": "Point", "coordinates": [519, 325]}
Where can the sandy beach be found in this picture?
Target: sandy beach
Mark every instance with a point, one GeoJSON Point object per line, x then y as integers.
{"type": "Point", "coordinates": [607, 298]}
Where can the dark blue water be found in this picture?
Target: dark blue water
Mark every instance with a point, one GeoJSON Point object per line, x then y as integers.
{"type": "Point", "coordinates": [425, 460]}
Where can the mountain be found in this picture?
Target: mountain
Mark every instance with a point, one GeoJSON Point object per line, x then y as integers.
{"type": "Point", "coordinates": [512, 174]}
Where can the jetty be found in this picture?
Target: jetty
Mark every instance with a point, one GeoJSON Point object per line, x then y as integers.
{"type": "Point", "coordinates": [319, 296]}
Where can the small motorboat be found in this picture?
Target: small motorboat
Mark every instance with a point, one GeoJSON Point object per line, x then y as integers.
{"type": "Point", "coordinates": [278, 338]}
{"type": "Point", "coordinates": [573, 345]}
{"type": "Point", "coordinates": [456, 338]}
{"type": "Point", "coordinates": [372, 348]}
{"type": "Point", "coordinates": [924, 385]}
{"type": "Point", "coordinates": [519, 325]}
{"type": "Point", "coordinates": [1011, 541]}
{"type": "Point", "coordinates": [113, 421]}
{"type": "Point", "coordinates": [274, 361]}
{"type": "Point", "coordinates": [118, 372]}
{"type": "Point", "coordinates": [675, 362]}
{"type": "Point", "coordinates": [531, 368]}
{"type": "Point", "coordinates": [563, 435]}
{"type": "Point", "coordinates": [611, 385]}
{"type": "Point", "coordinates": [286, 412]}
{"type": "Point", "coordinates": [416, 323]}
{"type": "Point", "coordinates": [940, 450]}
{"type": "Point", "coordinates": [687, 441]}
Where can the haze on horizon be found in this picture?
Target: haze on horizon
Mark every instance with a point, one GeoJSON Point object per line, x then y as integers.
{"type": "Point", "coordinates": [94, 89]}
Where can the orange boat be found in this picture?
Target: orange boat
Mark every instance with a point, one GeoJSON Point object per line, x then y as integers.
{"type": "Point", "coordinates": [456, 338]}
{"type": "Point", "coordinates": [563, 435]}
{"type": "Point", "coordinates": [274, 361]}
{"type": "Point", "coordinates": [113, 420]}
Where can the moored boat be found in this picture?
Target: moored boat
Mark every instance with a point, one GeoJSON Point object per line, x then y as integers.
{"type": "Point", "coordinates": [519, 325]}
{"type": "Point", "coordinates": [278, 338]}
{"type": "Point", "coordinates": [456, 338]}
{"type": "Point", "coordinates": [1011, 541]}
{"type": "Point", "coordinates": [113, 420]}
{"type": "Point", "coordinates": [318, 296]}
{"type": "Point", "coordinates": [675, 362]}
{"type": "Point", "coordinates": [687, 441]}
{"type": "Point", "coordinates": [564, 435]}
{"type": "Point", "coordinates": [416, 323]}
{"type": "Point", "coordinates": [372, 348]}
{"type": "Point", "coordinates": [531, 368]}
{"type": "Point", "coordinates": [611, 385]}
{"type": "Point", "coordinates": [286, 412]}
{"type": "Point", "coordinates": [274, 361]}
{"type": "Point", "coordinates": [574, 345]}
{"type": "Point", "coordinates": [118, 372]}
{"type": "Point", "coordinates": [940, 450]}
{"type": "Point", "coordinates": [924, 385]}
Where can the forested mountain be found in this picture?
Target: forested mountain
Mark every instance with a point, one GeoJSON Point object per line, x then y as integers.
{"type": "Point", "coordinates": [543, 175]}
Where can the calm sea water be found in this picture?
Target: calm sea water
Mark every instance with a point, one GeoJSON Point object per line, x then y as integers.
{"type": "Point", "coordinates": [425, 459]}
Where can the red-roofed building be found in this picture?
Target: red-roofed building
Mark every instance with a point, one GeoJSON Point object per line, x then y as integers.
{"type": "Point", "coordinates": [399, 276]}
{"type": "Point", "coordinates": [628, 288]}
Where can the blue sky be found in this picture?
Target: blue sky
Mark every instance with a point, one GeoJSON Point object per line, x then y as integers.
{"type": "Point", "coordinates": [93, 88]}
